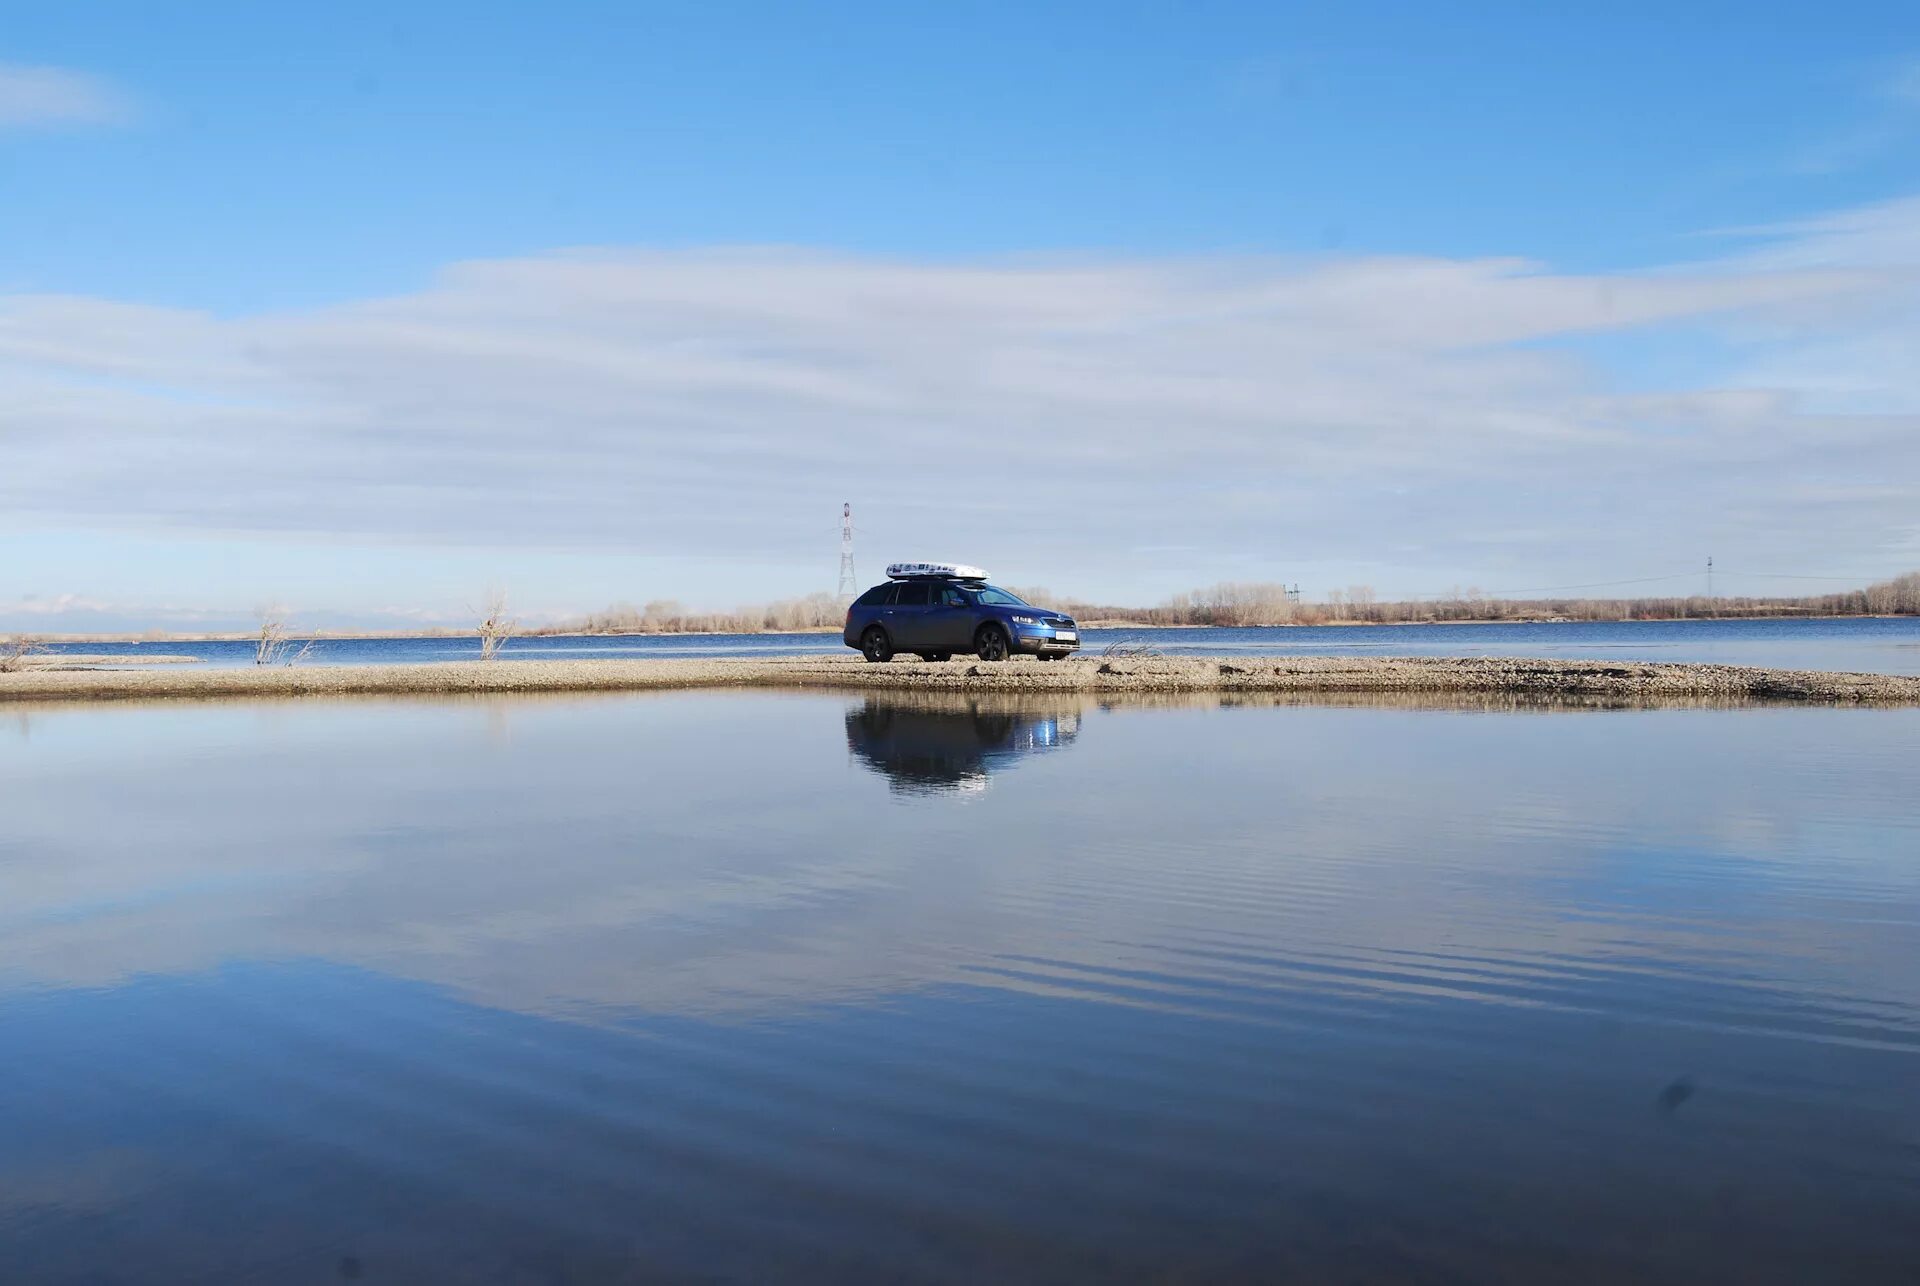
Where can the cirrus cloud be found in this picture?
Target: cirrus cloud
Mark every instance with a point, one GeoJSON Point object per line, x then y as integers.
{"type": "Point", "coordinates": [43, 96]}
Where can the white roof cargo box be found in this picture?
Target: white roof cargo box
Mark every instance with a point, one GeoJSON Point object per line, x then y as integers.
{"type": "Point", "coordinates": [947, 571]}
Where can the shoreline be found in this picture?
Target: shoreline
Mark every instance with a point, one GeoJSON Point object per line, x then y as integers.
{"type": "Point", "coordinates": [1096, 623]}
{"type": "Point", "coordinates": [1087, 674]}
{"type": "Point", "coordinates": [71, 660]}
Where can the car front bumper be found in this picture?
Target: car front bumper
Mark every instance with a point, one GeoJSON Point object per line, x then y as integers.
{"type": "Point", "coordinates": [1037, 642]}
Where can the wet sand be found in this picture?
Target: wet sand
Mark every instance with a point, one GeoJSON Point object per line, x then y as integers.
{"type": "Point", "coordinates": [1091, 674]}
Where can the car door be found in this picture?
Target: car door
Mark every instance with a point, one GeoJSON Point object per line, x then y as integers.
{"type": "Point", "coordinates": [907, 616]}
{"type": "Point", "coordinates": [946, 626]}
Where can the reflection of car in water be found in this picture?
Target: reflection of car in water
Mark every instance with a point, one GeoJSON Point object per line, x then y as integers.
{"type": "Point", "coordinates": [929, 745]}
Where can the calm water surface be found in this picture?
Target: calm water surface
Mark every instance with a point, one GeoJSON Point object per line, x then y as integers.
{"type": "Point", "coordinates": [756, 987]}
{"type": "Point", "coordinates": [1886, 645]}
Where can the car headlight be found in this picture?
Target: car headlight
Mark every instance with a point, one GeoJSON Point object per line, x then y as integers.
{"type": "Point", "coordinates": [1024, 620]}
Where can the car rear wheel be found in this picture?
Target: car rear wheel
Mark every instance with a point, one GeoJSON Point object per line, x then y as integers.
{"type": "Point", "coordinates": [875, 645]}
{"type": "Point", "coordinates": [991, 643]}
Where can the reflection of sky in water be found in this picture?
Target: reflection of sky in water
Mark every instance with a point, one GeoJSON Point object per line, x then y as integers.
{"type": "Point", "coordinates": [744, 980]}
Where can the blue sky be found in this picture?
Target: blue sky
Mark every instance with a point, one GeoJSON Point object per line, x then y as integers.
{"type": "Point", "coordinates": [237, 237]}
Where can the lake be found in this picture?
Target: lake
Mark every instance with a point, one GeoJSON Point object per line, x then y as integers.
{"type": "Point", "coordinates": [815, 987]}
{"type": "Point", "coordinates": [1874, 645]}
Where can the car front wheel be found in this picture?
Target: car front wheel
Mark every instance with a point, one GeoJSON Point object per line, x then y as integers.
{"type": "Point", "coordinates": [991, 643]}
{"type": "Point", "coordinates": [875, 645]}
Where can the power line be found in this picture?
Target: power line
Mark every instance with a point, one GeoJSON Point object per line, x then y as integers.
{"type": "Point", "coordinates": [1792, 576]}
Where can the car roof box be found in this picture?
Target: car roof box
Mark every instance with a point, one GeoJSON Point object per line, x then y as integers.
{"type": "Point", "coordinates": [934, 571]}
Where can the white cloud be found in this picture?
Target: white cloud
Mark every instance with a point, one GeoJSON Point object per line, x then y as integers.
{"type": "Point", "coordinates": [1881, 236]}
{"type": "Point", "coordinates": [1046, 416]}
{"type": "Point", "coordinates": [37, 96]}
{"type": "Point", "coordinates": [58, 605]}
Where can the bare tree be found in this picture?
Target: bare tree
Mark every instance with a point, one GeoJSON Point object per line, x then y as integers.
{"type": "Point", "coordinates": [495, 627]}
{"type": "Point", "coordinates": [14, 652]}
{"type": "Point", "coordinates": [273, 646]}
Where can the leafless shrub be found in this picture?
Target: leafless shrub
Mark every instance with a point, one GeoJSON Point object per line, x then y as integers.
{"type": "Point", "coordinates": [273, 645]}
{"type": "Point", "coordinates": [495, 627]}
{"type": "Point", "coordinates": [14, 652]}
{"type": "Point", "coordinates": [664, 616]}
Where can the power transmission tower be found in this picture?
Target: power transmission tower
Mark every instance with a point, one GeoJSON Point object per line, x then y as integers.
{"type": "Point", "coordinates": [849, 583]}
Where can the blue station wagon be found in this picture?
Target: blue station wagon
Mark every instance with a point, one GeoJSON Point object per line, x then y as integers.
{"type": "Point", "coordinates": [935, 610]}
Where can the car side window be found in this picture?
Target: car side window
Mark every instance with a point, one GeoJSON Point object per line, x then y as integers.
{"type": "Point", "coordinates": [948, 596]}
{"type": "Point", "coordinates": [912, 594]}
{"type": "Point", "coordinates": [876, 596]}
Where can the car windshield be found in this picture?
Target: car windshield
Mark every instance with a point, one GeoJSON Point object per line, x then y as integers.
{"type": "Point", "coordinates": [994, 596]}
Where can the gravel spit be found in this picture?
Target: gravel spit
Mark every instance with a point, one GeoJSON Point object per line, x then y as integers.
{"type": "Point", "coordinates": [1615, 680]}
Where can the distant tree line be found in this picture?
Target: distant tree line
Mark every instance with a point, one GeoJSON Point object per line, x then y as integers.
{"type": "Point", "coordinates": [1252, 603]}
{"type": "Point", "coordinates": [1245, 603]}
{"type": "Point", "coordinates": [664, 616]}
